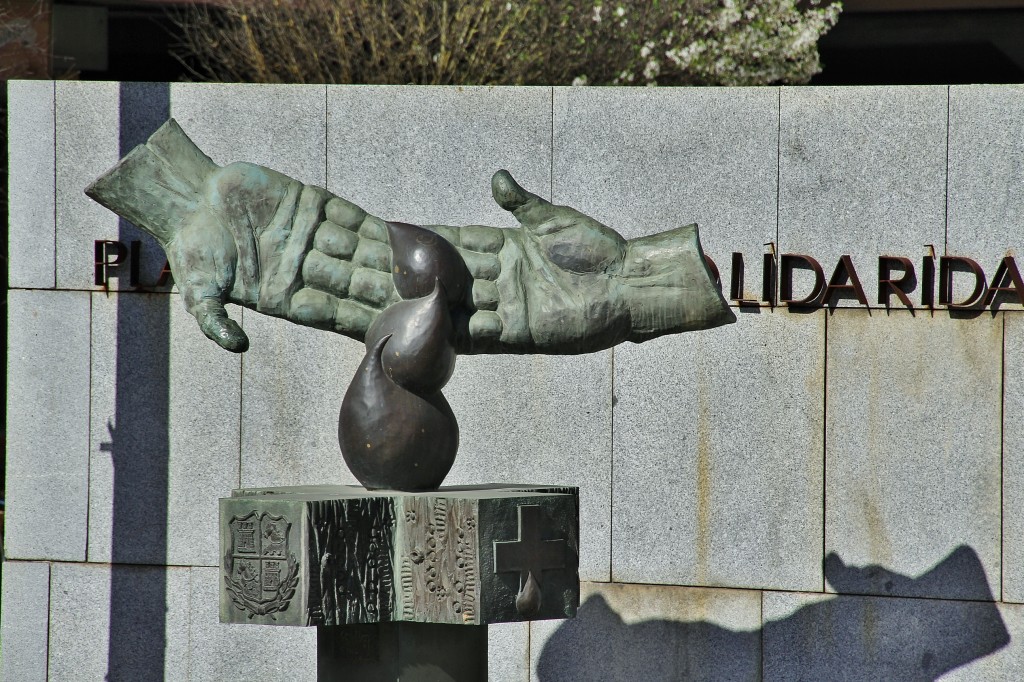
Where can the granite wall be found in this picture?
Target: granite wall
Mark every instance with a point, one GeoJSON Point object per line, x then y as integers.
{"type": "Point", "coordinates": [827, 493]}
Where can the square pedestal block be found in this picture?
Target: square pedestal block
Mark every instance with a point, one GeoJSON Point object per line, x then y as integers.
{"type": "Point", "coordinates": [337, 555]}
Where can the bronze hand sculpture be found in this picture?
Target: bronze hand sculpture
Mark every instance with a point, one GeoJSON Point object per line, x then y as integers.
{"type": "Point", "coordinates": [416, 296]}
{"type": "Point", "coordinates": [562, 283]}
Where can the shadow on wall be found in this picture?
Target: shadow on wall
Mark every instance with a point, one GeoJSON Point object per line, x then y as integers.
{"type": "Point", "coordinates": [139, 443]}
{"type": "Point", "coordinates": [851, 636]}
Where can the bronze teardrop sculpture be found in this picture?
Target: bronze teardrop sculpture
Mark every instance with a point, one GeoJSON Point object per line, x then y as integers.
{"type": "Point", "coordinates": [420, 355]}
{"type": "Point", "coordinates": [419, 257]}
{"type": "Point", "coordinates": [528, 600]}
{"type": "Point", "coordinates": [392, 438]}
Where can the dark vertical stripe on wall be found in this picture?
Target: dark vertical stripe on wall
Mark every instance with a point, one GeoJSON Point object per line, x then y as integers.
{"type": "Point", "coordinates": [139, 438]}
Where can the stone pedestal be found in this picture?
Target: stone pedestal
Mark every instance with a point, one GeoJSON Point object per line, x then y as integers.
{"type": "Point", "coordinates": [412, 577]}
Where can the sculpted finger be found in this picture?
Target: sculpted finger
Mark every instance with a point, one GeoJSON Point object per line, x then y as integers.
{"type": "Point", "coordinates": [204, 262]}
{"type": "Point", "coordinates": [479, 246]}
{"type": "Point", "coordinates": [528, 208]}
{"type": "Point", "coordinates": [214, 321]}
{"type": "Point", "coordinates": [571, 240]}
{"type": "Point", "coordinates": [203, 293]}
{"type": "Point", "coordinates": [344, 213]}
{"type": "Point", "coordinates": [485, 328]}
{"type": "Point", "coordinates": [335, 241]}
{"type": "Point", "coordinates": [482, 265]}
{"type": "Point", "coordinates": [328, 274]}
{"type": "Point", "coordinates": [508, 193]}
{"type": "Point", "coordinates": [481, 238]}
{"type": "Point", "coordinates": [485, 295]}
{"type": "Point", "coordinates": [319, 309]}
{"type": "Point", "coordinates": [534, 211]}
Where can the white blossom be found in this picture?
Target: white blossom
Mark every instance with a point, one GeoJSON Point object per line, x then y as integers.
{"type": "Point", "coordinates": [652, 69]}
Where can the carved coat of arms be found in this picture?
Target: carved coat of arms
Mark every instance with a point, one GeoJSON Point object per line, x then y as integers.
{"type": "Point", "coordinates": [260, 573]}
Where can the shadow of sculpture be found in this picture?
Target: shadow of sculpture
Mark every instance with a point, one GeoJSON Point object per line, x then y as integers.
{"type": "Point", "coordinates": [856, 635]}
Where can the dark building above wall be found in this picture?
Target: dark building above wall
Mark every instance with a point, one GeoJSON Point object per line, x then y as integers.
{"type": "Point", "coordinates": [104, 40]}
{"type": "Point", "coordinates": [905, 42]}
{"type": "Point", "coordinates": [876, 42]}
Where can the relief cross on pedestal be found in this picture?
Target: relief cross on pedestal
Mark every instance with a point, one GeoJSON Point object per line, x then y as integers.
{"type": "Point", "coordinates": [529, 555]}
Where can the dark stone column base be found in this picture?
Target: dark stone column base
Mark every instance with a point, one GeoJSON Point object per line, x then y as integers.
{"type": "Point", "coordinates": [402, 652]}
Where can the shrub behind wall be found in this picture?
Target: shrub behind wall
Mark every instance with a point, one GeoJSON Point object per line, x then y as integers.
{"type": "Point", "coordinates": [499, 42]}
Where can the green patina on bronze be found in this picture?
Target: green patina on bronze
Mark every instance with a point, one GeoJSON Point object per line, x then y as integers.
{"type": "Point", "coordinates": [561, 283]}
